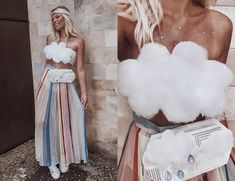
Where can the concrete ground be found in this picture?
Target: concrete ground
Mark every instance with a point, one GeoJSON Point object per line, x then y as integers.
{"type": "Point", "coordinates": [19, 164]}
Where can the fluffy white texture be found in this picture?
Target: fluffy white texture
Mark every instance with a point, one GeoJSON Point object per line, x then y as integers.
{"type": "Point", "coordinates": [170, 149]}
{"type": "Point", "coordinates": [182, 84]}
{"type": "Point", "coordinates": [218, 144]}
{"type": "Point", "coordinates": [59, 53]}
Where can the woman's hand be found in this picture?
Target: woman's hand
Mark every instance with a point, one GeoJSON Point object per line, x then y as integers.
{"type": "Point", "coordinates": [84, 101]}
{"type": "Point", "coordinates": [81, 70]}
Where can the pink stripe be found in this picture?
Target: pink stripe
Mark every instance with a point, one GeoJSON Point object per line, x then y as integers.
{"type": "Point", "coordinates": [41, 83]}
{"type": "Point", "coordinates": [70, 129]}
{"type": "Point", "coordinates": [62, 126]}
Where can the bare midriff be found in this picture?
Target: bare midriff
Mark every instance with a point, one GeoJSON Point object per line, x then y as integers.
{"type": "Point", "coordinates": [59, 65]}
{"type": "Point", "coordinates": [161, 120]}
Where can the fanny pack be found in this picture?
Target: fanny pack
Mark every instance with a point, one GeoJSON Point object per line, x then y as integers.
{"type": "Point", "coordinates": [187, 151]}
{"type": "Point", "coordinates": [61, 75]}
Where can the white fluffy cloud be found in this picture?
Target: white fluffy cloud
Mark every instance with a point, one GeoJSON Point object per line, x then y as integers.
{"type": "Point", "coordinates": [170, 149]}
{"type": "Point", "coordinates": [182, 84]}
{"type": "Point", "coordinates": [59, 52]}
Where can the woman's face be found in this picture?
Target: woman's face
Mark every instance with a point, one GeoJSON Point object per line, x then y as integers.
{"type": "Point", "coordinates": [58, 22]}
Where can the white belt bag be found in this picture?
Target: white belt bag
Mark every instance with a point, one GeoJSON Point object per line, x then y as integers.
{"type": "Point", "coordinates": [209, 145]}
{"type": "Point", "coordinates": [61, 75]}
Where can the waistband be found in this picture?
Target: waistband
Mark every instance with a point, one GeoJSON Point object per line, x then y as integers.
{"type": "Point", "coordinates": [49, 66]}
{"type": "Point", "coordinates": [150, 125]}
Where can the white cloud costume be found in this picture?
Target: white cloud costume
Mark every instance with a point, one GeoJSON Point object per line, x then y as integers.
{"type": "Point", "coordinates": [183, 84]}
{"type": "Point", "coordinates": [60, 132]}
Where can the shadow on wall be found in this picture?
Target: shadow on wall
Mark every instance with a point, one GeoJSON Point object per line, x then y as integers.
{"type": "Point", "coordinates": [77, 3]}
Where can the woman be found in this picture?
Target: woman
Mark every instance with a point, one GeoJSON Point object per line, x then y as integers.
{"type": "Point", "coordinates": [60, 135]}
{"type": "Point", "coordinates": [166, 22]}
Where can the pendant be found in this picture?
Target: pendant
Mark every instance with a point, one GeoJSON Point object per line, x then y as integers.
{"type": "Point", "coordinates": [180, 174]}
{"type": "Point", "coordinates": [168, 176]}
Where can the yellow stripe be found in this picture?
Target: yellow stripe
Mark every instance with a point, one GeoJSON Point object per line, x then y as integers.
{"type": "Point", "coordinates": [60, 127]}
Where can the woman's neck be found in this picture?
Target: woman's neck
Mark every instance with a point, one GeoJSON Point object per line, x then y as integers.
{"type": "Point", "coordinates": [63, 36]}
{"type": "Point", "coordinates": [176, 8]}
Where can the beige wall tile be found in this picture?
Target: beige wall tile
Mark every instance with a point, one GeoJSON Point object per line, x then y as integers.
{"type": "Point", "coordinates": [111, 71]}
{"type": "Point", "coordinates": [110, 38]}
{"type": "Point", "coordinates": [94, 39]}
{"type": "Point", "coordinates": [103, 22]}
{"type": "Point", "coordinates": [112, 104]}
{"type": "Point", "coordinates": [225, 2]}
{"type": "Point", "coordinates": [82, 22]}
{"type": "Point", "coordinates": [44, 28]}
{"type": "Point", "coordinates": [231, 63]}
{"type": "Point", "coordinates": [97, 102]}
{"type": "Point", "coordinates": [104, 87]}
{"type": "Point", "coordinates": [230, 109]}
{"type": "Point", "coordinates": [96, 71]}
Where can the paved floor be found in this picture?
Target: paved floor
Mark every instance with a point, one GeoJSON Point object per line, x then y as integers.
{"type": "Point", "coordinates": [19, 164]}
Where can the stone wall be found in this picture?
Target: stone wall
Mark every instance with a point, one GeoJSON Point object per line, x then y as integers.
{"type": "Point", "coordinates": [227, 7]}
{"type": "Point", "coordinates": [96, 21]}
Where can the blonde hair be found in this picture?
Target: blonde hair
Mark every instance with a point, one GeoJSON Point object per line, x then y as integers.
{"type": "Point", "coordinates": [148, 14]}
{"type": "Point", "coordinates": [70, 29]}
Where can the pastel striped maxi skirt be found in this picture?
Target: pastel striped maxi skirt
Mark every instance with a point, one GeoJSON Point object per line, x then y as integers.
{"type": "Point", "coordinates": [60, 133]}
{"type": "Point", "coordinates": [131, 169]}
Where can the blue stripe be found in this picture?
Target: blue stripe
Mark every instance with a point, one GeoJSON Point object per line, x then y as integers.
{"type": "Point", "coordinates": [46, 133]}
{"type": "Point", "coordinates": [226, 173]}
{"type": "Point", "coordinates": [85, 141]}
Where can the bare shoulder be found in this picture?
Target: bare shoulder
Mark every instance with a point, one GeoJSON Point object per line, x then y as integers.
{"type": "Point", "coordinates": [222, 24]}
{"type": "Point", "coordinates": [49, 39]}
{"type": "Point", "coordinates": [78, 42]}
{"type": "Point", "coordinates": [126, 29]}
{"type": "Point", "coordinates": [123, 20]}
{"type": "Point", "coordinates": [222, 27]}
{"type": "Point", "coordinates": [126, 24]}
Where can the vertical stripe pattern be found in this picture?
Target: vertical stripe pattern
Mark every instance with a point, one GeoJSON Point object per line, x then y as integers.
{"type": "Point", "coordinates": [60, 135]}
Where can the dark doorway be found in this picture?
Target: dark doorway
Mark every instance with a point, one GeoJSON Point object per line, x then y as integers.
{"type": "Point", "coordinates": [16, 81]}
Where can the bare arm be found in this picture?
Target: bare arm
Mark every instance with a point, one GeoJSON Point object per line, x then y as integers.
{"type": "Point", "coordinates": [49, 39]}
{"type": "Point", "coordinates": [127, 47]}
{"type": "Point", "coordinates": [81, 71]}
{"type": "Point", "coordinates": [225, 38]}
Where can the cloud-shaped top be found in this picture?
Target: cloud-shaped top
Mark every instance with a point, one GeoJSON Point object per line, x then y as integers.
{"type": "Point", "coordinates": [170, 149]}
{"type": "Point", "coordinates": [59, 52]}
{"type": "Point", "coordinates": [182, 84]}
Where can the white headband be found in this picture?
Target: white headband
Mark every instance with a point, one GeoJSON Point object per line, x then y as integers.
{"type": "Point", "coordinates": [61, 11]}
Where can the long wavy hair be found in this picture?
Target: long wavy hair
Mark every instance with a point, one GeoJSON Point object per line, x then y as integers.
{"type": "Point", "coordinates": [148, 14]}
{"type": "Point", "coordinates": [70, 29]}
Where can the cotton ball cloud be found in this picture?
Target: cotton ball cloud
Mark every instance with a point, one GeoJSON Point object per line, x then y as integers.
{"type": "Point", "coordinates": [225, 141]}
{"type": "Point", "coordinates": [159, 150]}
{"type": "Point", "coordinates": [183, 84]}
{"type": "Point", "coordinates": [58, 52]}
